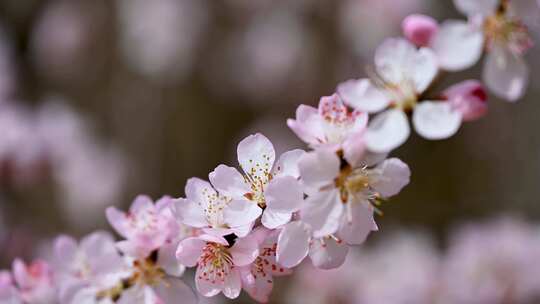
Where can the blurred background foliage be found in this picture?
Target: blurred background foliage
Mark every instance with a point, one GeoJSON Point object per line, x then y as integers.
{"type": "Point", "coordinates": [172, 86]}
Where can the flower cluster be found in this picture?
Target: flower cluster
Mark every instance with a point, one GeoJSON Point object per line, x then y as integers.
{"type": "Point", "coordinates": [245, 225]}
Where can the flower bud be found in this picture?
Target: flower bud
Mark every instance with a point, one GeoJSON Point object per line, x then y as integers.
{"type": "Point", "coordinates": [468, 97]}
{"type": "Point", "coordinates": [419, 29]}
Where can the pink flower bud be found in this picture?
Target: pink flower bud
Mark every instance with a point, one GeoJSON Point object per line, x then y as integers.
{"type": "Point", "coordinates": [419, 29]}
{"type": "Point", "coordinates": [468, 97]}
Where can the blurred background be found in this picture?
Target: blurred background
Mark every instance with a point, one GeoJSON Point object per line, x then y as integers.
{"type": "Point", "coordinates": [103, 100]}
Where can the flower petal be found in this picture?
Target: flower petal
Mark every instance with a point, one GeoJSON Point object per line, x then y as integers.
{"type": "Point", "coordinates": [319, 168]}
{"type": "Point", "coordinates": [272, 218]}
{"type": "Point", "coordinates": [362, 95]}
{"type": "Point", "coordinates": [256, 156]}
{"type": "Point", "coordinates": [458, 45]}
{"type": "Point", "coordinates": [392, 58]}
{"type": "Point", "coordinates": [206, 287]}
{"type": "Point", "coordinates": [257, 286]}
{"type": "Point", "coordinates": [327, 253]}
{"type": "Point", "coordinates": [424, 68]}
{"type": "Point", "coordinates": [308, 124]}
{"type": "Point", "coordinates": [190, 213]}
{"type": "Point", "coordinates": [189, 250]}
{"type": "Point", "coordinates": [322, 212]}
{"type": "Point", "coordinates": [387, 131]}
{"type": "Point", "coordinates": [245, 250]}
{"type": "Point", "coordinates": [232, 285]}
{"type": "Point", "coordinates": [241, 212]}
{"type": "Point", "coordinates": [199, 191]}
{"type": "Point", "coordinates": [65, 250]}
{"type": "Point", "coordinates": [393, 176]}
{"type": "Point", "coordinates": [167, 259]}
{"type": "Point", "coordinates": [436, 120]}
{"type": "Point", "coordinates": [293, 244]}
{"type": "Point", "coordinates": [469, 98]}
{"type": "Point", "coordinates": [354, 148]}
{"type": "Point", "coordinates": [505, 74]}
{"type": "Point", "coordinates": [228, 181]}
{"type": "Point", "coordinates": [117, 219]}
{"type": "Point", "coordinates": [419, 29]}
{"type": "Point", "coordinates": [360, 223]}
{"type": "Point", "coordinates": [287, 164]}
{"type": "Point", "coordinates": [284, 194]}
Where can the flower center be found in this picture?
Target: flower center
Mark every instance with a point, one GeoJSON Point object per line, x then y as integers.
{"type": "Point", "coordinates": [257, 185]}
{"type": "Point", "coordinates": [351, 181]}
{"type": "Point", "coordinates": [507, 32]}
{"type": "Point", "coordinates": [214, 208]}
{"type": "Point", "coordinates": [216, 263]}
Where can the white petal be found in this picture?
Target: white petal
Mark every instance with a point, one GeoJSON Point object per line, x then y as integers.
{"type": "Point", "coordinates": [189, 251]}
{"type": "Point", "coordinates": [206, 287]}
{"type": "Point", "coordinates": [392, 177]}
{"type": "Point", "coordinates": [387, 131]}
{"type": "Point", "coordinates": [436, 120]}
{"type": "Point", "coordinates": [505, 74]}
{"type": "Point", "coordinates": [458, 45]}
{"type": "Point", "coordinates": [293, 244]}
{"type": "Point", "coordinates": [173, 290]}
{"type": "Point", "coordinates": [65, 250]}
{"type": "Point", "coordinates": [190, 213]}
{"type": "Point", "coordinates": [322, 211]}
{"type": "Point", "coordinates": [256, 156]}
{"type": "Point", "coordinates": [228, 181]}
{"type": "Point", "coordinates": [272, 219]}
{"type": "Point", "coordinates": [393, 57]}
{"type": "Point", "coordinates": [326, 253]}
{"type": "Point", "coordinates": [362, 95]}
{"type": "Point", "coordinates": [241, 212]}
{"type": "Point", "coordinates": [287, 164]}
{"type": "Point", "coordinates": [354, 148]}
{"type": "Point", "coordinates": [319, 168]}
{"type": "Point", "coordinates": [355, 229]}
{"type": "Point", "coordinates": [308, 124]}
{"type": "Point", "coordinates": [424, 68]}
{"type": "Point", "coordinates": [284, 194]}
{"type": "Point", "coordinates": [199, 191]}
{"type": "Point", "coordinates": [476, 7]}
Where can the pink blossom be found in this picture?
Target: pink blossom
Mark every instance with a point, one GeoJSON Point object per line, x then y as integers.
{"type": "Point", "coordinates": [9, 294]}
{"type": "Point", "coordinates": [34, 282]}
{"type": "Point", "coordinates": [331, 125]}
{"type": "Point", "coordinates": [146, 226]}
{"type": "Point", "coordinates": [265, 183]}
{"type": "Point", "coordinates": [257, 278]}
{"type": "Point", "coordinates": [218, 262]}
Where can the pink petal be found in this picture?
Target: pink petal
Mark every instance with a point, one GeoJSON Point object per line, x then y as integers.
{"type": "Point", "coordinates": [189, 250]}
{"type": "Point", "coordinates": [273, 219]}
{"type": "Point", "coordinates": [293, 244]}
{"type": "Point", "coordinates": [232, 285]}
{"type": "Point", "coordinates": [117, 219]}
{"type": "Point", "coordinates": [167, 260]}
{"type": "Point", "coordinates": [245, 251]}
{"type": "Point", "coordinates": [199, 191]}
{"type": "Point", "coordinates": [206, 287]}
{"type": "Point", "coordinates": [355, 230]}
{"type": "Point", "coordinates": [173, 290]}
{"type": "Point", "coordinates": [65, 249]}
{"type": "Point", "coordinates": [307, 125]}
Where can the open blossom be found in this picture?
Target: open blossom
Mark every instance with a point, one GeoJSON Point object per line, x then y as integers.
{"type": "Point", "coordinates": [265, 184]}
{"type": "Point", "coordinates": [92, 263]}
{"type": "Point", "coordinates": [257, 278]}
{"type": "Point", "coordinates": [340, 205]}
{"type": "Point", "coordinates": [331, 125]}
{"type": "Point", "coordinates": [204, 208]}
{"type": "Point", "coordinates": [146, 226]}
{"type": "Point", "coordinates": [402, 74]}
{"type": "Point", "coordinates": [34, 282]}
{"type": "Point", "coordinates": [497, 26]}
{"type": "Point", "coordinates": [218, 262]}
